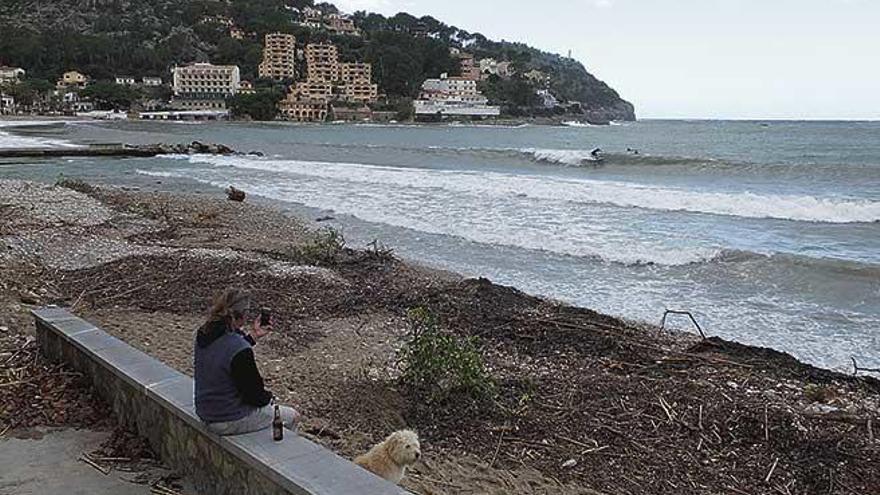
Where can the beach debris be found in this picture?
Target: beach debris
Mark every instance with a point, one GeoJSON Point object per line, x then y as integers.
{"type": "Point", "coordinates": [685, 313]}
{"type": "Point", "coordinates": [233, 194]}
{"type": "Point", "coordinates": [857, 368]}
{"type": "Point", "coordinates": [325, 219]}
{"type": "Point", "coordinates": [88, 460]}
{"type": "Point", "coordinates": [569, 463]}
{"type": "Point", "coordinates": [29, 297]}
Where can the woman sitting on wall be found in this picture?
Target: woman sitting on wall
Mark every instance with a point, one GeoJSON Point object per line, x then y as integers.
{"type": "Point", "coordinates": [229, 392]}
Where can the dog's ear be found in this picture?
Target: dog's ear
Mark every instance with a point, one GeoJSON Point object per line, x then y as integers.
{"type": "Point", "coordinates": [395, 440]}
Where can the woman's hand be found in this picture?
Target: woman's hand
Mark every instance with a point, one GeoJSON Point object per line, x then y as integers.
{"type": "Point", "coordinates": [259, 331]}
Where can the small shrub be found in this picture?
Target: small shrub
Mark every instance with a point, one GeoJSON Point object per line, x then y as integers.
{"type": "Point", "coordinates": [820, 393]}
{"type": "Point", "coordinates": [324, 247]}
{"type": "Point", "coordinates": [77, 185]}
{"type": "Point", "coordinates": [439, 365]}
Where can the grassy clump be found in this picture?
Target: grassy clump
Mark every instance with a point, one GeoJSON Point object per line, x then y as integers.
{"type": "Point", "coordinates": [77, 185]}
{"type": "Point", "coordinates": [440, 366]}
{"type": "Point", "coordinates": [323, 247]}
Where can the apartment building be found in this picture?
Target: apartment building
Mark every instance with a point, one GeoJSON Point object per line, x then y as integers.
{"type": "Point", "coordinates": [322, 62]}
{"type": "Point", "coordinates": [316, 90]}
{"type": "Point", "coordinates": [299, 109]}
{"type": "Point", "coordinates": [125, 80]}
{"type": "Point", "coordinates": [152, 81]}
{"type": "Point", "coordinates": [351, 72]}
{"type": "Point", "coordinates": [468, 66]}
{"type": "Point", "coordinates": [206, 80]}
{"type": "Point", "coordinates": [359, 92]}
{"type": "Point", "coordinates": [279, 57]}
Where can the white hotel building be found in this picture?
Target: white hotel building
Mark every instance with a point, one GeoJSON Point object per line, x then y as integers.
{"type": "Point", "coordinates": [204, 86]}
{"type": "Point", "coordinates": [454, 96]}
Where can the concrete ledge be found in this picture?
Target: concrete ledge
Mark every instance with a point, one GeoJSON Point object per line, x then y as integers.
{"type": "Point", "coordinates": [157, 401]}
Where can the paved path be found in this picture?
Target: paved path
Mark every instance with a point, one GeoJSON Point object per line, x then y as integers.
{"type": "Point", "coordinates": [40, 462]}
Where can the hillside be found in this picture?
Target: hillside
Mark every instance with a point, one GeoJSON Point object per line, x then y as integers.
{"type": "Point", "coordinates": [105, 38]}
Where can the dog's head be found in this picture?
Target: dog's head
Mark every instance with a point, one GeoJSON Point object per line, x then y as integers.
{"type": "Point", "coordinates": [404, 448]}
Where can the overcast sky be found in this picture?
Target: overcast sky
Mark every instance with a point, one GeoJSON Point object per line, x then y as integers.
{"type": "Point", "coordinates": [811, 59]}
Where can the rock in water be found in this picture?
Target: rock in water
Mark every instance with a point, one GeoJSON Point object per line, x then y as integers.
{"type": "Point", "coordinates": [233, 194]}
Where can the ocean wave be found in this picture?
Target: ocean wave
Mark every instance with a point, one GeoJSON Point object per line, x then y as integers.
{"type": "Point", "coordinates": [12, 140]}
{"type": "Point", "coordinates": [394, 206]}
{"type": "Point", "coordinates": [576, 191]}
{"type": "Point", "coordinates": [161, 173]}
{"type": "Point", "coordinates": [810, 264]}
{"type": "Point", "coordinates": [550, 156]}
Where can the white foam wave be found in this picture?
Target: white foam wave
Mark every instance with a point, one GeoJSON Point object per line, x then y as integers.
{"type": "Point", "coordinates": [585, 191]}
{"type": "Point", "coordinates": [563, 157]}
{"type": "Point", "coordinates": [10, 140]}
{"type": "Point", "coordinates": [160, 173]}
{"type": "Point", "coordinates": [577, 123]}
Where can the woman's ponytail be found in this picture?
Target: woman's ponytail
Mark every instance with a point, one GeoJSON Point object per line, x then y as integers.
{"type": "Point", "coordinates": [229, 304]}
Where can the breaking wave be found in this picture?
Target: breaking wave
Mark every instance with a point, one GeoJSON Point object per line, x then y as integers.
{"type": "Point", "coordinates": [577, 191]}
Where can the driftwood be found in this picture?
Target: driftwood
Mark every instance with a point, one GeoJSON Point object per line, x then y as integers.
{"type": "Point", "coordinates": [233, 194]}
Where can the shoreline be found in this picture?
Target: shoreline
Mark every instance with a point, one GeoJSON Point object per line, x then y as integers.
{"type": "Point", "coordinates": [142, 265]}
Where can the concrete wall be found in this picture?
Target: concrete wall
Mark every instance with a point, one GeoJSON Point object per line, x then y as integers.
{"type": "Point", "coordinates": [157, 402]}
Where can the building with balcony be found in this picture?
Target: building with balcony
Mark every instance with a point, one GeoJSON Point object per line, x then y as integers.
{"type": "Point", "coordinates": [203, 86]}
{"type": "Point", "coordinates": [454, 96]}
{"type": "Point", "coordinates": [322, 62]}
{"type": "Point", "coordinates": [350, 72]}
{"type": "Point", "coordinates": [316, 90]}
{"type": "Point", "coordinates": [296, 108]}
{"type": "Point", "coordinates": [279, 57]}
{"type": "Point", "coordinates": [340, 24]}
{"type": "Point", "coordinates": [468, 66]}
{"type": "Point", "coordinates": [359, 92]}
{"type": "Point", "coordinates": [218, 81]}
{"type": "Point", "coordinates": [72, 78]}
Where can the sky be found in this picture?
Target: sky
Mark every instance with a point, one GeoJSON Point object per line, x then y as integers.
{"type": "Point", "coordinates": [716, 59]}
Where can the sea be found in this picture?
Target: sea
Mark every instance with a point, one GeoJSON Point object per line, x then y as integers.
{"type": "Point", "coordinates": [767, 232]}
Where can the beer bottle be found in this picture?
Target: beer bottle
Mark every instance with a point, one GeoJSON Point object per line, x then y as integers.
{"type": "Point", "coordinates": [277, 425]}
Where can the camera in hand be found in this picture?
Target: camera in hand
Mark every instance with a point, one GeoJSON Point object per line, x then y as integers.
{"type": "Point", "coordinates": [265, 316]}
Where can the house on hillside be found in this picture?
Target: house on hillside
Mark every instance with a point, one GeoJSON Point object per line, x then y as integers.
{"type": "Point", "coordinates": [125, 80]}
{"type": "Point", "coordinates": [11, 75]}
{"type": "Point", "coordinates": [72, 79]}
{"type": "Point", "coordinates": [7, 104]}
{"type": "Point", "coordinates": [152, 81]}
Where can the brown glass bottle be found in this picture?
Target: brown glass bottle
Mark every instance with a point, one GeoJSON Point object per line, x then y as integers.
{"type": "Point", "coordinates": [277, 425]}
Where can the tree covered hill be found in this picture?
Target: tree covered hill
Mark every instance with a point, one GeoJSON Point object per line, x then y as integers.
{"type": "Point", "coordinates": [105, 38]}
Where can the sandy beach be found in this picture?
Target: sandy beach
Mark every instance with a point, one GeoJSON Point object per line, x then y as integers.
{"type": "Point", "coordinates": [586, 403]}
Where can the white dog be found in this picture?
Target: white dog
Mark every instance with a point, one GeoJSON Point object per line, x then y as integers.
{"type": "Point", "coordinates": [390, 458]}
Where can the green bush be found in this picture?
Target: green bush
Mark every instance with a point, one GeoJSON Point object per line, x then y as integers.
{"type": "Point", "coordinates": [439, 366]}
{"type": "Point", "coordinates": [324, 246]}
